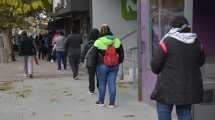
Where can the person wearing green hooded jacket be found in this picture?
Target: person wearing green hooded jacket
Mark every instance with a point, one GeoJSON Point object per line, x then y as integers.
{"type": "Point", "coordinates": [107, 74]}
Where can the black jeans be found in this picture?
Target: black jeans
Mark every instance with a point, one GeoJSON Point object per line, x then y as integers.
{"type": "Point", "coordinates": [74, 61]}
{"type": "Point", "coordinates": [92, 74]}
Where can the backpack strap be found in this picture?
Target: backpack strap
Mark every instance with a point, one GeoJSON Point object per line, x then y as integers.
{"type": "Point", "coordinates": [163, 47]}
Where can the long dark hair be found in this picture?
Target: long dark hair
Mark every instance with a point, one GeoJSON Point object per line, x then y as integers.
{"type": "Point", "coordinates": [94, 34]}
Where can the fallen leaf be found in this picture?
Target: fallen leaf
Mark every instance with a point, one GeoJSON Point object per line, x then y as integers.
{"type": "Point", "coordinates": [65, 91]}
{"type": "Point", "coordinates": [129, 116]}
{"type": "Point", "coordinates": [82, 100]}
{"type": "Point", "coordinates": [69, 94]}
{"type": "Point", "coordinates": [24, 93]}
{"type": "Point", "coordinates": [6, 86]}
{"type": "Point", "coordinates": [27, 87]}
{"type": "Point", "coordinates": [54, 100]}
{"type": "Point", "coordinates": [67, 115]}
{"type": "Point", "coordinates": [122, 86]}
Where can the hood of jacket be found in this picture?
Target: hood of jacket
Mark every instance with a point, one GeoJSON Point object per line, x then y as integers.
{"type": "Point", "coordinates": [103, 42]}
{"type": "Point", "coordinates": [187, 38]}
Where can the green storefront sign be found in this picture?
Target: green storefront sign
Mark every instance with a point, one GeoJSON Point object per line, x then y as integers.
{"type": "Point", "coordinates": [129, 9]}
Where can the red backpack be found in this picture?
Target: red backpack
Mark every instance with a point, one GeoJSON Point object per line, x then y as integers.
{"type": "Point", "coordinates": [111, 57]}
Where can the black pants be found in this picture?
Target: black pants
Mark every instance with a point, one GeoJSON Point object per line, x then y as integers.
{"type": "Point", "coordinates": [74, 61]}
{"type": "Point", "coordinates": [92, 74]}
{"type": "Point", "coordinates": [42, 52]}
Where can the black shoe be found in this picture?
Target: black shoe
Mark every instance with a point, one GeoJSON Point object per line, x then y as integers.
{"type": "Point", "coordinates": [100, 104]}
{"type": "Point", "coordinates": [76, 77]}
{"type": "Point", "coordinates": [30, 76]}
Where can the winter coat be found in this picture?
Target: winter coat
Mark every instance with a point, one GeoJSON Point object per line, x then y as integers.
{"type": "Point", "coordinates": [27, 47]}
{"type": "Point", "coordinates": [87, 54]}
{"type": "Point", "coordinates": [73, 44]}
{"type": "Point", "coordinates": [100, 46]}
{"type": "Point", "coordinates": [177, 65]}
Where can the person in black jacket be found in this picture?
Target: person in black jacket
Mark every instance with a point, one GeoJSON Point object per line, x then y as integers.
{"type": "Point", "coordinates": [177, 63]}
{"type": "Point", "coordinates": [90, 63]}
{"type": "Point", "coordinates": [27, 49]}
{"type": "Point", "coordinates": [106, 74]}
{"type": "Point", "coordinates": [73, 50]}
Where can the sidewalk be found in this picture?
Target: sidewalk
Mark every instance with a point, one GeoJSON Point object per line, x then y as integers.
{"type": "Point", "coordinates": [54, 95]}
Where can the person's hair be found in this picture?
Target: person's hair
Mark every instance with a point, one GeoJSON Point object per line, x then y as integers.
{"type": "Point", "coordinates": [105, 30]}
{"type": "Point", "coordinates": [24, 33]}
{"type": "Point", "coordinates": [94, 34]}
{"type": "Point", "coordinates": [181, 22]}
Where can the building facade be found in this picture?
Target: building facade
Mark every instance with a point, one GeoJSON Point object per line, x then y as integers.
{"type": "Point", "coordinates": [69, 13]}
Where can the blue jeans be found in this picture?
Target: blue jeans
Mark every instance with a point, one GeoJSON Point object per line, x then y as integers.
{"type": "Point", "coordinates": [61, 59]}
{"type": "Point", "coordinates": [165, 110]}
{"type": "Point", "coordinates": [107, 75]}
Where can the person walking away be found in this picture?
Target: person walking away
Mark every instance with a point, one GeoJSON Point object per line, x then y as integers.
{"type": "Point", "coordinates": [27, 49]}
{"type": "Point", "coordinates": [90, 62]}
{"type": "Point", "coordinates": [177, 63]}
{"type": "Point", "coordinates": [73, 50]}
{"type": "Point", "coordinates": [60, 51]}
{"type": "Point", "coordinates": [108, 53]}
{"type": "Point", "coordinates": [46, 45]}
{"type": "Point", "coordinates": [41, 47]}
{"type": "Point", "coordinates": [49, 46]}
{"type": "Point", "coordinates": [37, 46]}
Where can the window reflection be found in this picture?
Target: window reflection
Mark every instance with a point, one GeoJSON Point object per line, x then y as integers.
{"type": "Point", "coordinates": [162, 13]}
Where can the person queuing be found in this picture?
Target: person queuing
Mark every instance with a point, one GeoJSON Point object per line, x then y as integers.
{"type": "Point", "coordinates": [108, 54]}
{"type": "Point", "coordinates": [27, 49]}
{"type": "Point", "coordinates": [73, 50]}
{"type": "Point", "coordinates": [90, 62]}
{"type": "Point", "coordinates": [177, 63]}
{"type": "Point", "coordinates": [60, 51]}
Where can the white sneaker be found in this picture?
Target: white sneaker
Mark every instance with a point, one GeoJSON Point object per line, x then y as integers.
{"type": "Point", "coordinates": [25, 75]}
{"type": "Point", "coordinates": [91, 93]}
{"type": "Point", "coordinates": [100, 104]}
{"type": "Point", "coordinates": [112, 106]}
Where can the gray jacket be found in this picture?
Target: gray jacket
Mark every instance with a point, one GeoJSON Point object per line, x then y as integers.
{"type": "Point", "coordinates": [60, 43]}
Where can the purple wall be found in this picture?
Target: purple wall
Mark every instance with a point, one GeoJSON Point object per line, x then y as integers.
{"type": "Point", "coordinates": [204, 24]}
{"type": "Point", "coordinates": [148, 79]}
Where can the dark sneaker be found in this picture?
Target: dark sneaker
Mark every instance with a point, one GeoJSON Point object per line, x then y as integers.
{"type": "Point", "coordinates": [100, 104]}
{"type": "Point", "coordinates": [30, 76]}
{"type": "Point", "coordinates": [76, 77]}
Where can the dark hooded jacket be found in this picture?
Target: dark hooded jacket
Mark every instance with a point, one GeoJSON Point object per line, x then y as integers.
{"type": "Point", "coordinates": [27, 47]}
{"type": "Point", "coordinates": [179, 78]}
{"type": "Point", "coordinates": [87, 49]}
{"type": "Point", "coordinates": [73, 44]}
